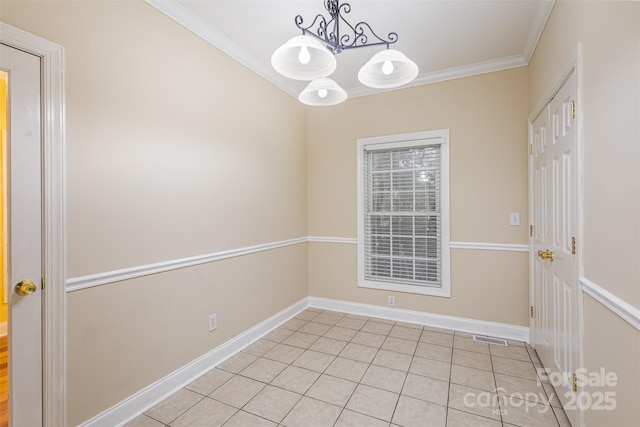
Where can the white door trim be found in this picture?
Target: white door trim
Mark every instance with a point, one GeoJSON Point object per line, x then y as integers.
{"type": "Point", "coordinates": [53, 134]}
{"type": "Point", "coordinates": [573, 65]}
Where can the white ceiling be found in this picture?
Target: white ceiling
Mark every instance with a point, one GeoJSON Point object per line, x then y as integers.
{"type": "Point", "coordinates": [446, 38]}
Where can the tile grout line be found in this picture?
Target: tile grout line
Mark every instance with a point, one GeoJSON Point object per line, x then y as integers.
{"type": "Point", "coordinates": [329, 351]}
{"type": "Point", "coordinates": [323, 373]}
{"type": "Point", "coordinates": [291, 364]}
{"type": "Point", "coordinates": [446, 414]}
{"type": "Point", "coordinates": [344, 407]}
{"type": "Point", "coordinates": [406, 376]}
{"type": "Point", "coordinates": [365, 373]}
{"type": "Point", "coordinates": [468, 386]}
{"type": "Point", "coordinates": [188, 409]}
{"type": "Point", "coordinates": [495, 384]}
{"type": "Point", "coordinates": [306, 322]}
{"type": "Point", "coordinates": [262, 356]}
{"type": "Point", "coordinates": [451, 364]}
{"type": "Point", "coordinates": [541, 384]}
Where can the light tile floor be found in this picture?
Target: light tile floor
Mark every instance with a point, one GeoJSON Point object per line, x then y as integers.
{"type": "Point", "coordinates": [325, 368]}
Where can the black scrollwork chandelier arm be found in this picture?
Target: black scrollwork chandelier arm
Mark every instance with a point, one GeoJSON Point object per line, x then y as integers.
{"type": "Point", "coordinates": [330, 32]}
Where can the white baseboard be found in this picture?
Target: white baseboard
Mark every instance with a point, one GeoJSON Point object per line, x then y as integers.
{"type": "Point", "coordinates": [4, 329]}
{"type": "Point", "coordinates": [499, 330]}
{"type": "Point", "coordinates": [151, 395]}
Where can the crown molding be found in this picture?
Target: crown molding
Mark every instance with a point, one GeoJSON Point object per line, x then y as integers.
{"type": "Point", "coordinates": [174, 10]}
{"type": "Point", "coordinates": [450, 74]}
{"type": "Point", "coordinates": [191, 22]}
{"type": "Point", "coordinates": [536, 31]}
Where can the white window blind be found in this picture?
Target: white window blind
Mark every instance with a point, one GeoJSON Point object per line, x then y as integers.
{"type": "Point", "coordinates": [401, 215]}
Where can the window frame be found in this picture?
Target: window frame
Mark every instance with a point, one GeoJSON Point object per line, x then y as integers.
{"type": "Point", "coordinates": [435, 137]}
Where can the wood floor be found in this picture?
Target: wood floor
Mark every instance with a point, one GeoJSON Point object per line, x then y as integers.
{"type": "Point", "coordinates": [4, 387]}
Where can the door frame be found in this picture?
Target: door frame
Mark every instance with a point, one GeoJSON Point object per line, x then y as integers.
{"type": "Point", "coordinates": [54, 203]}
{"type": "Point", "coordinates": [573, 65]}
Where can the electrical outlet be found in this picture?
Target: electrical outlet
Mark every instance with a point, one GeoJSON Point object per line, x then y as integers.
{"type": "Point", "coordinates": [391, 301]}
{"type": "Point", "coordinates": [213, 322]}
{"type": "Point", "coordinates": [514, 218]}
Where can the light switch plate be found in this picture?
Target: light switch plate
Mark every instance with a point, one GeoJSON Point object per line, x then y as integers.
{"type": "Point", "coordinates": [213, 322]}
{"type": "Point", "coordinates": [514, 218]}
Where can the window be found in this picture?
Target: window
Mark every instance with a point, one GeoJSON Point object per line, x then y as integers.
{"type": "Point", "coordinates": [403, 213]}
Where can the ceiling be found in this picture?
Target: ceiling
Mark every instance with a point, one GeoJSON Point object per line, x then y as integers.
{"type": "Point", "coordinates": [447, 39]}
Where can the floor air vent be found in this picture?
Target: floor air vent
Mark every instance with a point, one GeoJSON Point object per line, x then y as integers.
{"type": "Point", "coordinates": [490, 340]}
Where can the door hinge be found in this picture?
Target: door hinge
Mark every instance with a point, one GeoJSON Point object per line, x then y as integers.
{"type": "Point", "coordinates": [531, 230]}
{"type": "Point", "coordinates": [573, 109]}
{"type": "Point", "coordinates": [573, 246]}
{"type": "Point", "coordinates": [44, 283]}
{"type": "Point", "coordinates": [531, 311]}
{"type": "Point", "coordinates": [530, 148]}
{"type": "Point", "coordinates": [575, 383]}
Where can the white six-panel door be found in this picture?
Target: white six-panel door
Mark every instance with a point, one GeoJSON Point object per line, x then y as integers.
{"type": "Point", "coordinates": [555, 287]}
{"type": "Point", "coordinates": [24, 211]}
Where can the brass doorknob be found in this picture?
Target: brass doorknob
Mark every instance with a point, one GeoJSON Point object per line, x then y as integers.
{"type": "Point", "coordinates": [25, 287]}
{"type": "Point", "coordinates": [547, 254]}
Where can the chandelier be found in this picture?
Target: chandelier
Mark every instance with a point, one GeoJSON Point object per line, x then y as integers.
{"type": "Point", "coordinates": [311, 56]}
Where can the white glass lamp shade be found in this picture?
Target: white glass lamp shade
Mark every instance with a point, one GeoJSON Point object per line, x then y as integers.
{"type": "Point", "coordinates": [322, 92]}
{"type": "Point", "coordinates": [303, 58]}
{"type": "Point", "coordinates": [387, 69]}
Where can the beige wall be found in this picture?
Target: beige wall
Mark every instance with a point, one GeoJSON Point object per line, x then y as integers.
{"type": "Point", "coordinates": [610, 107]}
{"type": "Point", "coordinates": [166, 159]}
{"type": "Point", "coordinates": [613, 344]}
{"type": "Point", "coordinates": [610, 37]}
{"type": "Point", "coordinates": [477, 291]}
{"type": "Point", "coordinates": [173, 150]}
{"type": "Point", "coordinates": [487, 118]}
{"type": "Point", "coordinates": [125, 336]}
{"type": "Point", "coordinates": [169, 140]}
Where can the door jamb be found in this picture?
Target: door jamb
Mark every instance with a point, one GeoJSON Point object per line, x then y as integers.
{"type": "Point", "coordinates": [573, 64]}
{"type": "Point", "coordinates": [54, 203]}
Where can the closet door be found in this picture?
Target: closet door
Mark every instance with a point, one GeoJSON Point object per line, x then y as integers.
{"type": "Point", "coordinates": [555, 267]}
